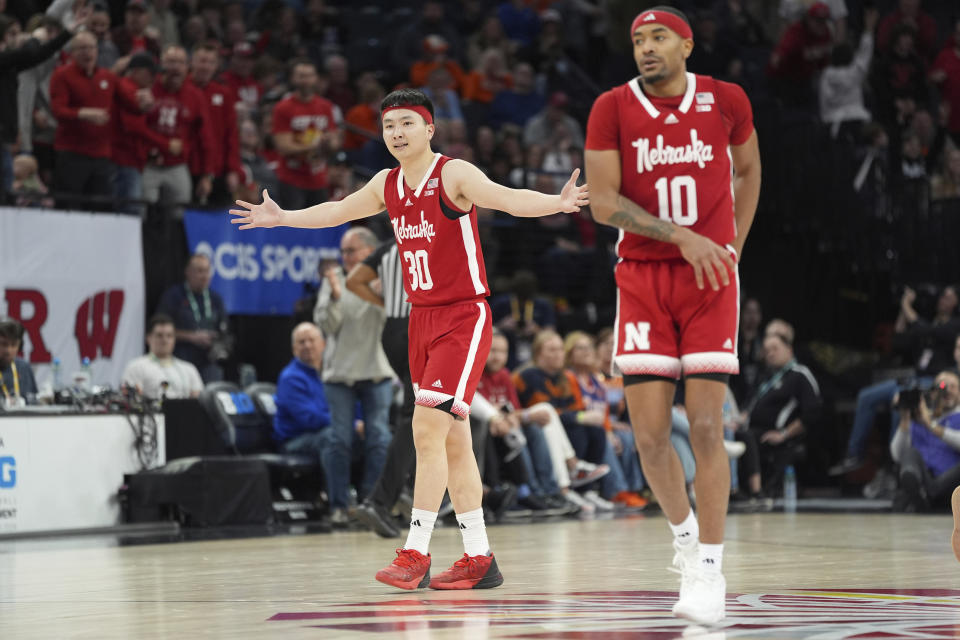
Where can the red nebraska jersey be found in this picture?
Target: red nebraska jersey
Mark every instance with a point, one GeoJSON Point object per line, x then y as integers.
{"type": "Point", "coordinates": [439, 243]}
{"type": "Point", "coordinates": [183, 115]}
{"type": "Point", "coordinates": [674, 156]}
{"type": "Point", "coordinates": [305, 120]}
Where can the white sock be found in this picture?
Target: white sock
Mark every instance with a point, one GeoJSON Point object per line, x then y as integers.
{"type": "Point", "coordinates": [688, 531]}
{"type": "Point", "coordinates": [421, 528]}
{"type": "Point", "coordinates": [711, 557]}
{"type": "Point", "coordinates": [474, 533]}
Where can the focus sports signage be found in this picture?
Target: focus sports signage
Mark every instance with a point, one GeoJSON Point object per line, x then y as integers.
{"type": "Point", "coordinates": [260, 271]}
{"type": "Point", "coordinates": [75, 282]}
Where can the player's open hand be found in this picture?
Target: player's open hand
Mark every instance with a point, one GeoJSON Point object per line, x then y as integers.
{"type": "Point", "coordinates": [708, 259]}
{"type": "Point", "coordinates": [257, 216]}
{"type": "Point", "coordinates": [573, 197]}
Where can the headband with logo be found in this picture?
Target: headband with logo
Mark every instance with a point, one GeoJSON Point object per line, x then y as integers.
{"type": "Point", "coordinates": [665, 18]}
{"type": "Point", "coordinates": [417, 108]}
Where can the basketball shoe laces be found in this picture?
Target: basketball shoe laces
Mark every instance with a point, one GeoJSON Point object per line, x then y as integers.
{"type": "Point", "coordinates": [469, 564]}
{"type": "Point", "coordinates": [406, 558]}
{"type": "Point", "coordinates": [684, 563]}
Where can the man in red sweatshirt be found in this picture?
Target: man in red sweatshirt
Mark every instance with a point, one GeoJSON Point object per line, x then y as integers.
{"type": "Point", "coordinates": [131, 136]}
{"type": "Point", "coordinates": [82, 100]}
{"type": "Point", "coordinates": [181, 117]}
{"type": "Point", "coordinates": [226, 170]}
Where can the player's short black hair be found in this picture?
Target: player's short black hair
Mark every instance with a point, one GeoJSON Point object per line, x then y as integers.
{"type": "Point", "coordinates": [406, 98]}
{"type": "Point", "coordinates": [158, 319]}
{"type": "Point", "coordinates": [673, 10]}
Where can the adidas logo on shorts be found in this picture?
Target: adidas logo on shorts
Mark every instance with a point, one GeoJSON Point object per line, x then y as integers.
{"type": "Point", "coordinates": [728, 344]}
{"type": "Point", "coordinates": [437, 384]}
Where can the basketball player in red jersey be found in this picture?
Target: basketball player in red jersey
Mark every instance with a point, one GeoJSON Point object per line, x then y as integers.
{"type": "Point", "coordinates": [673, 161]}
{"type": "Point", "coordinates": [432, 201]}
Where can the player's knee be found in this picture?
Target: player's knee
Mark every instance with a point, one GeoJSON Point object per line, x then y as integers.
{"type": "Point", "coordinates": [428, 440]}
{"type": "Point", "coordinates": [706, 433]}
{"type": "Point", "coordinates": [650, 442]}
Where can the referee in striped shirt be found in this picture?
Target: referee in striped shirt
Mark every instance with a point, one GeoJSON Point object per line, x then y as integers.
{"type": "Point", "coordinates": [385, 264]}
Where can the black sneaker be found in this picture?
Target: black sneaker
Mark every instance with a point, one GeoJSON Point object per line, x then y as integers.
{"type": "Point", "coordinates": [845, 466]}
{"type": "Point", "coordinates": [916, 499]}
{"type": "Point", "coordinates": [376, 518]}
{"type": "Point", "coordinates": [499, 499]}
{"type": "Point", "coordinates": [533, 502]}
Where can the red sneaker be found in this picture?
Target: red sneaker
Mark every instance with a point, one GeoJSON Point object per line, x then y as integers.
{"type": "Point", "coordinates": [410, 570]}
{"type": "Point", "coordinates": [470, 572]}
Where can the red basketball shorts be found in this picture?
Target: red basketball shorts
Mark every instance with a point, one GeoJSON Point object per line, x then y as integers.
{"type": "Point", "coordinates": [448, 350]}
{"type": "Point", "coordinates": [666, 326]}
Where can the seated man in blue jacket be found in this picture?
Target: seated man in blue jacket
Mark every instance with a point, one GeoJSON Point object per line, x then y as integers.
{"type": "Point", "coordinates": [302, 417]}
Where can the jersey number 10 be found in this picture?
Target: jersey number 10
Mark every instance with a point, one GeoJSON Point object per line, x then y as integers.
{"type": "Point", "coordinates": [420, 278]}
{"type": "Point", "coordinates": [671, 197]}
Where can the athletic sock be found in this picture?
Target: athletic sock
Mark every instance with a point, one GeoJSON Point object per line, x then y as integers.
{"type": "Point", "coordinates": [474, 533]}
{"type": "Point", "coordinates": [421, 528]}
{"type": "Point", "coordinates": [711, 557]}
{"type": "Point", "coordinates": [688, 531]}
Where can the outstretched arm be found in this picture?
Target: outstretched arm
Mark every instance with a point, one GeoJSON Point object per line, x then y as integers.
{"type": "Point", "coordinates": [467, 182]}
{"type": "Point", "coordinates": [612, 208]}
{"type": "Point", "coordinates": [363, 203]}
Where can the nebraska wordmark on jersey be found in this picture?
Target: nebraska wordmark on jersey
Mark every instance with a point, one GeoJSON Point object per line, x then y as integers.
{"type": "Point", "coordinates": [438, 243]}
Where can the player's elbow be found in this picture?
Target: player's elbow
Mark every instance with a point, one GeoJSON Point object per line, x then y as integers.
{"type": "Point", "coordinates": [602, 205]}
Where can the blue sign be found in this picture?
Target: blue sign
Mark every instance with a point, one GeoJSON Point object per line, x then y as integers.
{"type": "Point", "coordinates": [8, 472]}
{"type": "Point", "coordinates": [260, 271]}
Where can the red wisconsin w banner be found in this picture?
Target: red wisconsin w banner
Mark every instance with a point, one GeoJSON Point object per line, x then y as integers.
{"type": "Point", "coordinates": [75, 281]}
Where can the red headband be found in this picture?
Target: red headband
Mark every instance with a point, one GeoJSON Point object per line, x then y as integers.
{"type": "Point", "coordinates": [417, 108]}
{"type": "Point", "coordinates": [665, 18]}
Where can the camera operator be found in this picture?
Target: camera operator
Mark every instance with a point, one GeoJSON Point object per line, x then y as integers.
{"type": "Point", "coordinates": [927, 444]}
{"type": "Point", "coordinates": [928, 344]}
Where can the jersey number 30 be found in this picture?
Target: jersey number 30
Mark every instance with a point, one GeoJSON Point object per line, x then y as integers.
{"type": "Point", "coordinates": [420, 278]}
{"type": "Point", "coordinates": [672, 195]}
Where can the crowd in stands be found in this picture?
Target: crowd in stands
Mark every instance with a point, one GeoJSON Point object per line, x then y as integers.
{"type": "Point", "coordinates": [151, 105]}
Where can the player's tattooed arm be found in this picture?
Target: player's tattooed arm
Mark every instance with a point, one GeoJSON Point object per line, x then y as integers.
{"type": "Point", "coordinates": [631, 217]}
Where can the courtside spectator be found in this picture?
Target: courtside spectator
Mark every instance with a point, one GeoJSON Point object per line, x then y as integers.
{"type": "Point", "coordinates": [159, 374]}
{"type": "Point", "coordinates": [200, 317]}
{"type": "Point", "coordinates": [302, 421]}
{"type": "Point", "coordinates": [16, 377]}
{"type": "Point", "coordinates": [355, 371]}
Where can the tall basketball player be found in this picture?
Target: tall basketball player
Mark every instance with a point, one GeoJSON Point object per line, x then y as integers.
{"type": "Point", "coordinates": [673, 161]}
{"type": "Point", "coordinates": [432, 202]}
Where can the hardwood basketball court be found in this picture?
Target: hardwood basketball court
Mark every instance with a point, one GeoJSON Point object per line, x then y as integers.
{"type": "Point", "coordinates": [789, 576]}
